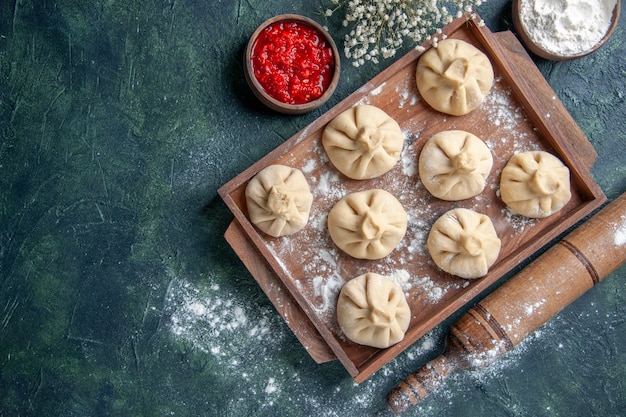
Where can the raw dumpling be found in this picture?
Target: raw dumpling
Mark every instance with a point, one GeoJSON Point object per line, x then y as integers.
{"type": "Point", "coordinates": [373, 311]}
{"type": "Point", "coordinates": [279, 200]}
{"type": "Point", "coordinates": [454, 165]}
{"type": "Point", "coordinates": [455, 77]}
{"type": "Point", "coordinates": [363, 142]}
{"type": "Point", "coordinates": [535, 184]}
{"type": "Point", "coordinates": [464, 243]}
{"type": "Point", "coordinates": [367, 224]}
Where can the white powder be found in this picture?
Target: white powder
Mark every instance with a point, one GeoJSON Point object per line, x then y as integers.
{"type": "Point", "coordinates": [406, 94]}
{"type": "Point", "coordinates": [309, 167]}
{"type": "Point", "coordinates": [432, 292]}
{"type": "Point", "coordinates": [519, 223]}
{"type": "Point", "coordinates": [530, 308]}
{"type": "Point", "coordinates": [327, 179]}
{"type": "Point", "coordinates": [619, 238]}
{"type": "Point", "coordinates": [377, 90]}
{"type": "Point", "coordinates": [204, 318]}
{"type": "Point", "coordinates": [566, 27]}
{"type": "Point", "coordinates": [271, 386]}
{"type": "Point", "coordinates": [326, 290]}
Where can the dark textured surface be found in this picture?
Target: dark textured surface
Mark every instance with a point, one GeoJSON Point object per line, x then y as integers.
{"type": "Point", "coordinates": [118, 294]}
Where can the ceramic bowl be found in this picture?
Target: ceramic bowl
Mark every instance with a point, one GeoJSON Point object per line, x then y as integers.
{"type": "Point", "coordinates": [543, 53]}
{"type": "Point", "coordinates": [258, 89]}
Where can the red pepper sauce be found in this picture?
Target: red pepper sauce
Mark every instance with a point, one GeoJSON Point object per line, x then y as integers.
{"type": "Point", "coordinates": [293, 62]}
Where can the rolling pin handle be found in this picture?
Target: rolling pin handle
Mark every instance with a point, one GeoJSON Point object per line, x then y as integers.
{"type": "Point", "coordinates": [421, 383]}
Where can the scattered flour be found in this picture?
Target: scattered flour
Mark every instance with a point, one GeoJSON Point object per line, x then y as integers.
{"type": "Point", "coordinates": [326, 183]}
{"type": "Point", "coordinates": [377, 90]}
{"type": "Point", "coordinates": [243, 338]}
{"type": "Point", "coordinates": [619, 238]}
{"type": "Point", "coordinates": [433, 292]}
{"type": "Point", "coordinates": [327, 289]}
{"type": "Point", "coordinates": [309, 166]}
{"type": "Point", "coordinates": [406, 94]}
{"type": "Point", "coordinates": [529, 309]}
{"type": "Point", "coordinates": [271, 386]}
{"type": "Point", "coordinates": [409, 166]}
{"type": "Point", "coordinates": [204, 317]}
{"type": "Point", "coordinates": [519, 223]}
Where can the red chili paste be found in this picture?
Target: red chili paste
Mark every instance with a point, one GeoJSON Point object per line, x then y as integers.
{"type": "Point", "coordinates": [293, 62]}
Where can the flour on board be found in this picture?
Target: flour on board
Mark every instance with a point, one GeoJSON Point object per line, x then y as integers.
{"type": "Point", "coordinates": [316, 269]}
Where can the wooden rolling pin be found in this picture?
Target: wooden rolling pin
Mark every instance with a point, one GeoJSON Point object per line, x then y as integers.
{"type": "Point", "coordinates": [525, 302]}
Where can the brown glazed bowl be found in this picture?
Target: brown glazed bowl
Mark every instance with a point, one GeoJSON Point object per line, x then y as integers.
{"type": "Point", "coordinates": [262, 94]}
{"type": "Point", "coordinates": [541, 52]}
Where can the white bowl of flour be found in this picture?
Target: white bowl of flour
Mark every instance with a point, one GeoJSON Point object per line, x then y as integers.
{"type": "Point", "coordinates": [565, 29]}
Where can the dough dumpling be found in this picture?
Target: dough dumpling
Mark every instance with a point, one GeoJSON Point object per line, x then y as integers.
{"type": "Point", "coordinates": [455, 77]}
{"type": "Point", "coordinates": [279, 200]}
{"type": "Point", "coordinates": [363, 142]}
{"type": "Point", "coordinates": [464, 243]}
{"type": "Point", "coordinates": [454, 165]}
{"type": "Point", "coordinates": [535, 184]}
{"type": "Point", "coordinates": [367, 224]}
{"type": "Point", "coordinates": [373, 311]}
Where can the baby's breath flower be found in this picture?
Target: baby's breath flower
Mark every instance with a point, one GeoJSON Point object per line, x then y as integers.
{"type": "Point", "coordinates": [379, 27]}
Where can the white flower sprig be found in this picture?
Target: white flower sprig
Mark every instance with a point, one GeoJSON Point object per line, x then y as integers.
{"type": "Point", "coordinates": [379, 28]}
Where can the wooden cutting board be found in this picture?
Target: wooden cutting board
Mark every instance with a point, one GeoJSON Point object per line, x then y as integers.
{"type": "Point", "coordinates": [302, 274]}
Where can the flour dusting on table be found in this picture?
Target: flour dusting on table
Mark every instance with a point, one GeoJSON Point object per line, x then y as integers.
{"type": "Point", "coordinates": [202, 318]}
